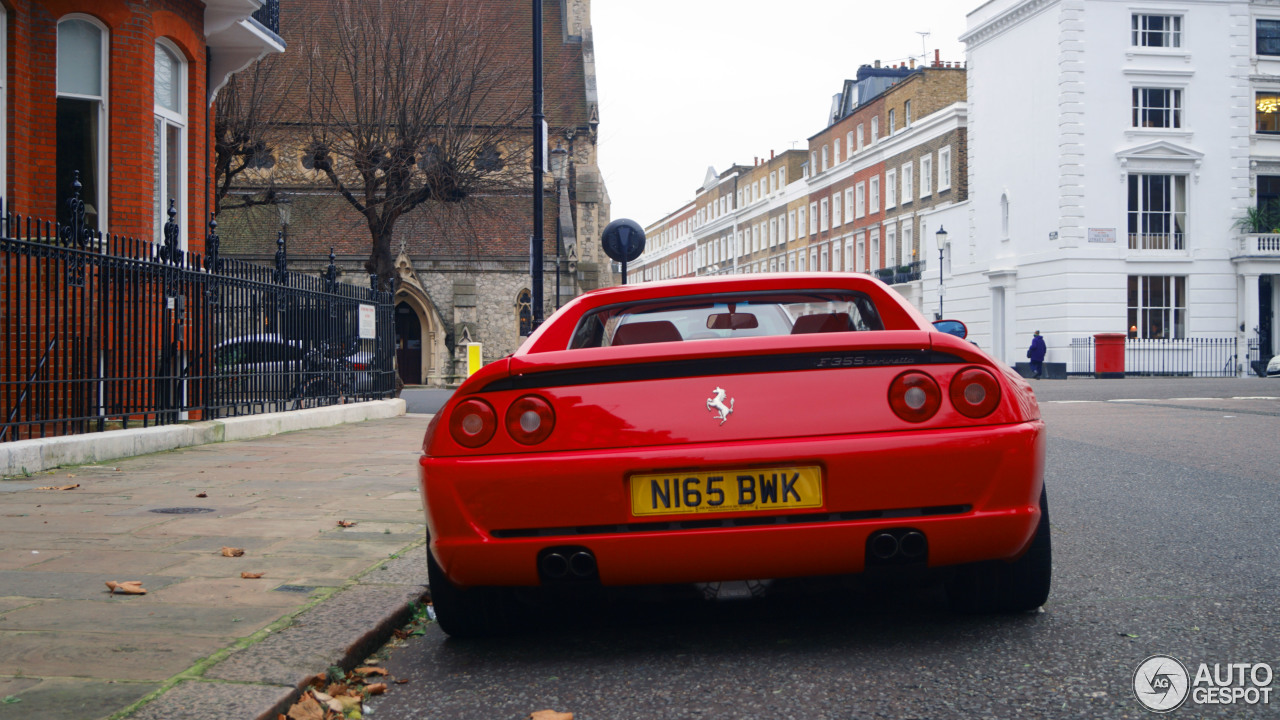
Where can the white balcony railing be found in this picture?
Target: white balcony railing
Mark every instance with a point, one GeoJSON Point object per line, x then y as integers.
{"type": "Point", "coordinates": [1260, 244]}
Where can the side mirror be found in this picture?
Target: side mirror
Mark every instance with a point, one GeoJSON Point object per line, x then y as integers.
{"type": "Point", "coordinates": [952, 327]}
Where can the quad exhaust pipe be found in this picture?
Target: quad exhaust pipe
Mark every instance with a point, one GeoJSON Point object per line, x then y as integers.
{"type": "Point", "coordinates": [897, 546]}
{"type": "Point", "coordinates": [573, 563]}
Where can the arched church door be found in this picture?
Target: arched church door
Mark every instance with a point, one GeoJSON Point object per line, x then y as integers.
{"type": "Point", "coordinates": [408, 345]}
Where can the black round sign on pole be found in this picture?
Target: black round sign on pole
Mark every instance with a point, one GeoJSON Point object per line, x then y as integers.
{"type": "Point", "coordinates": [623, 240]}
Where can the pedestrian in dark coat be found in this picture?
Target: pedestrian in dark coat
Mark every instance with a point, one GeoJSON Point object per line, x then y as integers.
{"type": "Point", "coordinates": [1036, 354]}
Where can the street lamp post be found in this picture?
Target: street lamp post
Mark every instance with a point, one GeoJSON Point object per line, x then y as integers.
{"type": "Point", "coordinates": [539, 148]}
{"type": "Point", "coordinates": [942, 241]}
{"type": "Point", "coordinates": [559, 169]}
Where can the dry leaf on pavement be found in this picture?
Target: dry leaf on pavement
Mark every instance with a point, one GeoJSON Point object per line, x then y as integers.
{"type": "Point", "coordinates": [59, 487]}
{"type": "Point", "coordinates": [376, 688]}
{"type": "Point", "coordinates": [128, 587]}
{"type": "Point", "coordinates": [202, 495]}
{"type": "Point", "coordinates": [366, 671]}
{"type": "Point", "coordinates": [251, 576]}
{"type": "Point", "coordinates": [346, 523]}
{"type": "Point", "coordinates": [307, 709]}
{"type": "Point", "coordinates": [232, 552]}
{"type": "Point", "coordinates": [550, 715]}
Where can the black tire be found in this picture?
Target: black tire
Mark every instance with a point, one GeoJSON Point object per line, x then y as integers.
{"type": "Point", "coordinates": [470, 613]}
{"type": "Point", "coordinates": [1008, 587]}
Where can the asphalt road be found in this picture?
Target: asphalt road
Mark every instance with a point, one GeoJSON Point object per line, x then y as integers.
{"type": "Point", "coordinates": [1164, 498]}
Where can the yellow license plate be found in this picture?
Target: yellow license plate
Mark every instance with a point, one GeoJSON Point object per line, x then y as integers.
{"type": "Point", "coordinates": [782, 488]}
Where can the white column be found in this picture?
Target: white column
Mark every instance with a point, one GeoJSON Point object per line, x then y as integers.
{"type": "Point", "coordinates": [1250, 305]}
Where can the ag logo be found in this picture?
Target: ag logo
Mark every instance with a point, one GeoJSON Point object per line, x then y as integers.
{"type": "Point", "coordinates": [1161, 683]}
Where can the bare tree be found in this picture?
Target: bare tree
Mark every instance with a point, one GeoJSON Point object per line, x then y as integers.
{"type": "Point", "coordinates": [247, 113]}
{"type": "Point", "coordinates": [410, 103]}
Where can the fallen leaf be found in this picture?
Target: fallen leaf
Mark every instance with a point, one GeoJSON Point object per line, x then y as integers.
{"type": "Point", "coordinates": [128, 587]}
{"type": "Point", "coordinates": [402, 681]}
{"type": "Point", "coordinates": [306, 709]}
{"type": "Point", "coordinates": [232, 552]}
{"type": "Point", "coordinates": [366, 671]}
{"type": "Point", "coordinates": [550, 715]}
{"type": "Point", "coordinates": [346, 523]}
{"type": "Point", "coordinates": [379, 688]}
{"type": "Point", "coordinates": [59, 487]}
{"type": "Point", "coordinates": [202, 495]}
{"type": "Point", "coordinates": [251, 576]}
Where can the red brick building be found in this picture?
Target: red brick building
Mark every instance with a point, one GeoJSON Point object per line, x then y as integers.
{"type": "Point", "coordinates": [119, 91]}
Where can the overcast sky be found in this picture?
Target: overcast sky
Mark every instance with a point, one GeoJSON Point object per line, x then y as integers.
{"type": "Point", "coordinates": [689, 83]}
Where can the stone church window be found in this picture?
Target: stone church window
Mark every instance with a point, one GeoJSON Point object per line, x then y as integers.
{"type": "Point", "coordinates": [524, 309]}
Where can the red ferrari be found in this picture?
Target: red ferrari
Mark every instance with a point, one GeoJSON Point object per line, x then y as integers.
{"type": "Point", "coordinates": [735, 428]}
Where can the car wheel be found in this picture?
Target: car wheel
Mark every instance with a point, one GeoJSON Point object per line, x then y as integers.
{"type": "Point", "coordinates": [470, 613]}
{"type": "Point", "coordinates": [1009, 587]}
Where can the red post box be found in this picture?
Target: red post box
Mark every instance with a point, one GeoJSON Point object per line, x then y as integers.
{"type": "Point", "coordinates": [1108, 355]}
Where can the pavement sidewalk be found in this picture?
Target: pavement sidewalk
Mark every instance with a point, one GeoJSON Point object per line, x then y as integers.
{"type": "Point", "coordinates": [205, 642]}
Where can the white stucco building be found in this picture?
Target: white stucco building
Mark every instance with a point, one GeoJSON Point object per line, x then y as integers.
{"type": "Point", "coordinates": [1113, 145]}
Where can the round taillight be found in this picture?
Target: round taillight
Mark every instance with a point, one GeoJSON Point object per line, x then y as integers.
{"type": "Point", "coordinates": [914, 396]}
{"type": "Point", "coordinates": [530, 420]}
{"type": "Point", "coordinates": [473, 422]}
{"type": "Point", "coordinates": [975, 392]}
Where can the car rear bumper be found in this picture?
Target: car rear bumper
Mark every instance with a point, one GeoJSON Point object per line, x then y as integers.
{"type": "Point", "coordinates": [973, 492]}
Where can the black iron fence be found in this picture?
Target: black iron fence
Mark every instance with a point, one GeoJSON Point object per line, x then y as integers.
{"type": "Point", "coordinates": [1167, 357]}
{"type": "Point", "coordinates": [99, 332]}
{"type": "Point", "coordinates": [269, 15]}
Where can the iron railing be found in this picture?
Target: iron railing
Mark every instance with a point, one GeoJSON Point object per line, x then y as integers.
{"type": "Point", "coordinates": [99, 332]}
{"type": "Point", "coordinates": [1166, 357]}
{"type": "Point", "coordinates": [269, 15]}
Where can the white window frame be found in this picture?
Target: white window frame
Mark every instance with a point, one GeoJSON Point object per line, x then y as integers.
{"type": "Point", "coordinates": [104, 112]}
{"type": "Point", "coordinates": [1172, 313]}
{"type": "Point", "coordinates": [944, 169]}
{"type": "Point", "coordinates": [848, 144]}
{"type": "Point", "coordinates": [1175, 217]}
{"type": "Point", "coordinates": [791, 225]}
{"type": "Point", "coordinates": [826, 158]}
{"type": "Point", "coordinates": [908, 241]}
{"type": "Point", "coordinates": [890, 188]}
{"type": "Point", "coordinates": [801, 225]}
{"type": "Point", "coordinates": [813, 218]}
{"type": "Point", "coordinates": [179, 120]}
{"type": "Point", "coordinates": [893, 122]}
{"type": "Point", "coordinates": [782, 177]}
{"type": "Point", "coordinates": [859, 260]}
{"type": "Point", "coordinates": [824, 221]}
{"type": "Point", "coordinates": [906, 114]}
{"type": "Point", "coordinates": [859, 136]}
{"type": "Point", "coordinates": [835, 153]}
{"type": "Point", "coordinates": [773, 182]}
{"type": "Point", "coordinates": [875, 130]}
{"type": "Point", "coordinates": [837, 218]}
{"type": "Point", "coordinates": [860, 200]}
{"type": "Point", "coordinates": [813, 259]}
{"type": "Point", "coordinates": [874, 239]}
{"type": "Point", "coordinates": [908, 179]}
{"type": "Point", "coordinates": [773, 232]}
{"type": "Point", "coordinates": [1142, 107]}
{"type": "Point", "coordinates": [824, 259]}
{"type": "Point", "coordinates": [848, 204]}
{"type": "Point", "coordinates": [1138, 29]}
{"type": "Point", "coordinates": [926, 176]}
{"type": "Point", "coordinates": [891, 240]}
{"type": "Point", "coordinates": [791, 262]}
{"type": "Point", "coordinates": [847, 257]}
{"type": "Point", "coordinates": [873, 204]}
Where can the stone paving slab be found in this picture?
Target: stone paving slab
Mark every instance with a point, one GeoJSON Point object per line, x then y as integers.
{"type": "Point", "coordinates": [193, 700]}
{"type": "Point", "coordinates": [67, 698]}
{"type": "Point", "coordinates": [205, 642]}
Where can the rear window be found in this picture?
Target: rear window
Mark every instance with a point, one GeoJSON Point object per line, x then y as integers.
{"type": "Point", "coordinates": [726, 316]}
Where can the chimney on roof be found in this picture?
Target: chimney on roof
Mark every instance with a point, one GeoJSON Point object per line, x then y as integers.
{"type": "Point", "coordinates": [757, 162]}
{"type": "Point", "coordinates": [913, 63]}
{"type": "Point", "coordinates": [937, 57]}
{"type": "Point", "coordinates": [877, 63]}
{"type": "Point", "coordinates": [770, 154]}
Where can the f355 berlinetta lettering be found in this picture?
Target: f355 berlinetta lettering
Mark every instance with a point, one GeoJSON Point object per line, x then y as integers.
{"type": "Point", "coordinates": [751, 427]}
